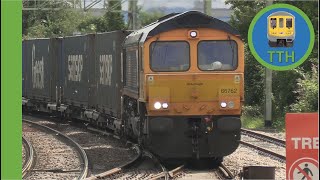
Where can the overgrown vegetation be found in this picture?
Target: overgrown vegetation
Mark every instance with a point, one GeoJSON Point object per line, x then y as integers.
{"type": "Point", "coordinates": [59, 18]}
{"type": "Point", "coordinates": [293, 91]}
{"type": "Point", "coordinates": [149, 17]}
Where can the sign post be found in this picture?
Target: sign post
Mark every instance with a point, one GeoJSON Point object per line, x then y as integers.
{"type": "Point", "coordinates": [302, 146]}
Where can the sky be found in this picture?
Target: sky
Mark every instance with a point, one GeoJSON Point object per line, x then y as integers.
{"type": "Point", "coordinates": [146, 4]}
{"type": "Point", "coordinates": [177, 3]}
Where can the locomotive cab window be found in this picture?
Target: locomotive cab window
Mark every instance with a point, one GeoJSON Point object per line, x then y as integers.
{"type": "Point", "coordinates": [169, 56]}
{"type": "Point", "coordinates": [289, 23]}
{"type": "Point", "coordinates": [217, 55]}
{"type": "Point", "coordinates": [281, 22]}
{"type": "Point", "coordinates": [273, 22]}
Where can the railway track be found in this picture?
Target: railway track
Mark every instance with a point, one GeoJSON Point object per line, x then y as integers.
{"type": "Point", "coordinates": [29, 157]}
{"type": "Point", "coordinates": [140, 167]}
{"type": "Point", "coordinates": [132, 169]}
{"type": "Point", "coordinates": [50, 147]}
{"type": "Point", "coordinates": [226, 173]}
{"type": "Point", "coordinates": [184, 172]}
{"type": "Point", "coordinates": [264, 137]}
{"type": "Point", "coordinates": [274, 145]}
{"type": "Point", "coordinates": [118, 169]}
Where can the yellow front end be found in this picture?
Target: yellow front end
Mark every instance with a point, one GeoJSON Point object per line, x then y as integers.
{"type": "Point", "coordinates": [194, 91]}
{"type": "Point", "coordinates": [192, 84]}
{"type": "Point", "coordinates": [195, 94]}
{"type": "Point", "coordinates": [279, 27]}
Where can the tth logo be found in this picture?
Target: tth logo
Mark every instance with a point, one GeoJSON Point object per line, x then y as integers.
{"type": "Point", "coordinates": [105, 69]}
{"type": "Point", "coordinates": [75, 66]}
{"type": "Point", "coordinates": [37, 71]}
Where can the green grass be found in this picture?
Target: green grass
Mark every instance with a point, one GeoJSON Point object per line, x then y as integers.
{"type": "Point", "coordinates": [252, 122]}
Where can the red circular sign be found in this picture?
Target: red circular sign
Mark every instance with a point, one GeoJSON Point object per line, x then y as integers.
{"type": "Point", "coordinates": [304, 168]}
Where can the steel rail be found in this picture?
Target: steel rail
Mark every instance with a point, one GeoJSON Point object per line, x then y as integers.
{"type": "Point", "coordinates": [171, 173]}
{"type": "Point", "coordinates": [226, 172]}
{"type": "Point", "coordinates": [119, 168]}
{"type": "Point", "coordinates": [30, 157]}
{"type": "Point", "coordinates": [71, 142]}
{"type": "Point", "coordinates": [264, 137]}
{"type": "Point", "coordinates": [281, 157]}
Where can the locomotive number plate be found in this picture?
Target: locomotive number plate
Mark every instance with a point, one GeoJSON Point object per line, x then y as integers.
{"type": "Point", "coordinates": [228, 90]}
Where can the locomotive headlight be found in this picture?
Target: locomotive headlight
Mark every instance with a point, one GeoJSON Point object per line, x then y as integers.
{"type": "Point", "coordinates": [165, 105]}
{"type": "Point", "coordinates": [231, 104]}
{"type": "Point", "coordinates": [223, 104]}
{"type": "Point", "coordinates": [193, 34]}
{"type": "Point", "coordinates": [157, 105]}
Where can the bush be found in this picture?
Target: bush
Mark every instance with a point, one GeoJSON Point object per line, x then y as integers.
{"type": "Point", "coordinates": [307, 100]}
{"type": "Point", "coordinates": [252, 111]}
{"type": "Point", "coordinates": [279, 123]}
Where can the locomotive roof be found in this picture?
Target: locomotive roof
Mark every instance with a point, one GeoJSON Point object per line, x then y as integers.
{"type": "Point", "coordinates": [280, 13]}
{"type": "Point", "coordinates": [189, 19]}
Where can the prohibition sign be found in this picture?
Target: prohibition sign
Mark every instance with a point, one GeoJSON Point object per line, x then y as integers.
{"type": "Point", "coordinates": [304, 169]}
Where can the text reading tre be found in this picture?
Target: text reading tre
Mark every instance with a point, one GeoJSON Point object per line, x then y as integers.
{"type": "Point", "coordinates": [305, 142]}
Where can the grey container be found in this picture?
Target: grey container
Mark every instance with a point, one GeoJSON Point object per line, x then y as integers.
{"type": "Point", "coordinates": [258, 172]}
{"type": "Point", "coordinates": [108, 49]}
{"type": "Point", "coordinates": [78, 70]}
{"type": "Point", "coordinates": [40, 58]}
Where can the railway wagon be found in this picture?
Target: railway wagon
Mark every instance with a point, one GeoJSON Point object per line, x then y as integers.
{"type": "Point", "coordinates": [92, 78]}
{"type": "Point", "coordinates": [109, 56]}
{"type": "Point", "coordinates": [281, 29]}
{"type": "Point", "coordinates": [40, 72]}
{"type": "Point", "coordinates": [176, 85]}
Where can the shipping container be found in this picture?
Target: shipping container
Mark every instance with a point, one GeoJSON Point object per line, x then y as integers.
{"type": "Point", "coordinates": [108, 55]}
{"type": "Point", "coordinates": [39, 73]}
{"type": "Point", "coordinates": [78, 71]}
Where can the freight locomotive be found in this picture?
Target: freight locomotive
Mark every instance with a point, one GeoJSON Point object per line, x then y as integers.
{"type": "Point", "coordinates": [176, 85]}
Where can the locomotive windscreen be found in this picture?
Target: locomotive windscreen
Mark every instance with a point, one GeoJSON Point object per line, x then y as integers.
{"type": "Point", "coordinates": [169, 56]}
{"type": "Point", "coordinates": [217, 55]}
{"type": "Point", "coordinates": [289, 23]}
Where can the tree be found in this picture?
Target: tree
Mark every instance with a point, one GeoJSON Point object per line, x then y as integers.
{"type": "Point", "coordinates": [307, 91]}
{"type": "Point", "coordinates": [244, 12]}
{"type": "Point", "coordinates": [59, 20]}
{"type": "Point", "coordinates": [149, 17]}
{"type": "Point", "coordinates": [91, 25]}
{"type": "Point", "coordinates": [113, 18]}
{"type": "Point", "coordinates": [253, 79]}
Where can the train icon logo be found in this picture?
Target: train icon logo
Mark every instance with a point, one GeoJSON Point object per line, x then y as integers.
{"type": "Point", "coordinates": [281, 29]}
{"type": "Point", "coordinates": [281, 37]}
{"type": "Point", "coordinates": [304, 169]}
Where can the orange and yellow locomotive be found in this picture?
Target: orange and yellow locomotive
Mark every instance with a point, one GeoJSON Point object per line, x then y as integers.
{"type": "Point", "coordinates": [188, 87]}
